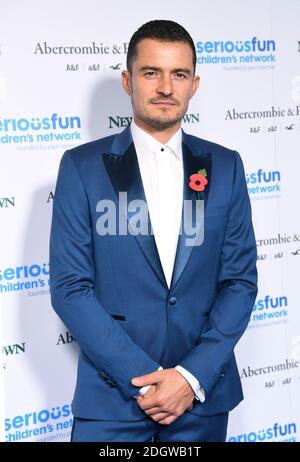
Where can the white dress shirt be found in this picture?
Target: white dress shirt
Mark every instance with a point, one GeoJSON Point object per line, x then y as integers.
{"type": "Point", "coordinates": [161, 168]}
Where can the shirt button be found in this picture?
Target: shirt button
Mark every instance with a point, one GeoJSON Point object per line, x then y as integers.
{"type": "Point", "coordinates": [172, 301]}
{"type": "Point", "coordinates": [162, 149]}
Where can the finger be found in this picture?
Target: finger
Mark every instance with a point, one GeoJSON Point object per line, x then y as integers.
{"type": "Point", "coordinates": [160, 416]}
{"type": "Point", "coordinates": [147, 405]}
{"type": "Point", "coordinates": [155, 410]}
{"type": "Point", "coordinates": [148, 379]}
{"type": "Point", "coordinates": [168, 420]}
{"type": "Point", "coordinates": [150, 392]}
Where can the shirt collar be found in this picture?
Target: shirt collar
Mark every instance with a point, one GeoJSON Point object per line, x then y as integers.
{"type": "Point", "coordinates": [143, 141]}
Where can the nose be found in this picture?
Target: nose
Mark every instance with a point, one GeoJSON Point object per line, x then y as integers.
{"type": "Point", "coordinates": [165, 86]}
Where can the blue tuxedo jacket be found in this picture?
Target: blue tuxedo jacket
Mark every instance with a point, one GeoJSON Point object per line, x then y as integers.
{"type": "Point", "coordinates": [111, 292]}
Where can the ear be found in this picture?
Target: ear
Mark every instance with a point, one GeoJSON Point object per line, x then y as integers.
{"type": "Point", "coordinates": [195, 86]}
{"type": "Point", "coordinates": [126, 81]}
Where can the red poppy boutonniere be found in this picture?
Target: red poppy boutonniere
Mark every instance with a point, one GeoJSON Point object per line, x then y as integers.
{"type": "Point", "coordinates": [198, 181]}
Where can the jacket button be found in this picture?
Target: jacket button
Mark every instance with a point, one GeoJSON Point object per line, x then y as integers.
{"type": "Point", "coordinates": [172, 301]}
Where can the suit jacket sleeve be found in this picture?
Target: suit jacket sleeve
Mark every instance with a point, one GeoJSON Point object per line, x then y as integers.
{"type": "Point", "coordinates": [100, 337]}
{"type": "Point", "coordinates": [237, 289]}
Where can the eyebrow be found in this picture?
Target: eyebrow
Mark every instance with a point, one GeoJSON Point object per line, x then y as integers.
{"type": "Point", "coordinates": [153, 68]}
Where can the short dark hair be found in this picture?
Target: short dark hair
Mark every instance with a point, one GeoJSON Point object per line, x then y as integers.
{"type": "Point", "coordinates": [163, 31]}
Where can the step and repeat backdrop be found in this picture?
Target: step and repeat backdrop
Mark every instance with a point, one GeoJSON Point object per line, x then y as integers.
{"type": "Point", "coordinates": [60, 66]}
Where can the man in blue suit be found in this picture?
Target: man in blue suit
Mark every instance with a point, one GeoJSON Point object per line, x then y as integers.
{"type": "Point", "coordinates": [156, 313]}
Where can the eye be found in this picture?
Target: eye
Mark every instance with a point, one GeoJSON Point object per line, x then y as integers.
{"type": "Point", "coordinates": [150, 74]}
{"type": "Point", "coordinates": [180, 75]}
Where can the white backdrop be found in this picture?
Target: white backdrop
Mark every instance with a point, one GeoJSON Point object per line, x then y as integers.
{"type": "Point", "coordinates": [60, 67]}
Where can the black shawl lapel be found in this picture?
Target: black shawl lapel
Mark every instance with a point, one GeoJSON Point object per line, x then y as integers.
{"type": "Point", "coordinates": [192, 162]}
{"type": "Point", "coordinates": [123, 170]}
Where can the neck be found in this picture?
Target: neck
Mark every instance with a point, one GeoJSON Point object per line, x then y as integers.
{"type": "Point", "coordinates": [163, 135]}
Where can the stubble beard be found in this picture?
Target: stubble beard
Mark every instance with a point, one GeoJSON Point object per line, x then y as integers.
{"type": "Point", "coordinates": [161, 122]}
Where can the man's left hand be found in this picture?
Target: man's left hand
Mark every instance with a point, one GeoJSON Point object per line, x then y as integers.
{"type": "Point", "coordinates": [173, 395]}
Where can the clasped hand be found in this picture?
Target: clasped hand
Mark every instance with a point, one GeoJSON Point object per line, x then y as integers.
{"type": "Point", "coordinates": [169, 396]}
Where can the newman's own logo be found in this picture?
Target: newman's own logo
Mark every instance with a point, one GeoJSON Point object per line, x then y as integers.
{"type": "Point", "coordinates": [122, 122]}
{"type": "Point", "coordinates": [9, 350]}
{"type": "Point", "coordinates": [6, 202]}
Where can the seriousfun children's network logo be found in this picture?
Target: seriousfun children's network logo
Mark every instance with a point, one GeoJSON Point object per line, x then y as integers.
{"type": "Point", "coordinates": [33, 278]}
{"type": "Point", "coordinates": [264, 184]}
{"type": "Point", "coordinates": [250, 52]}
{"type": "Point", "coordinates": [40, 129]}
{"type": "Point", "coordinates": [269, 309]}
{"type": "Point", "coordinates": [278, 433]}
{"type": "Point", "coordinates": [40, 426]}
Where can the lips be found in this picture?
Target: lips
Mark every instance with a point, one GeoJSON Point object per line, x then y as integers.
{"type": "Point", "coordinates": [165, 103]}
